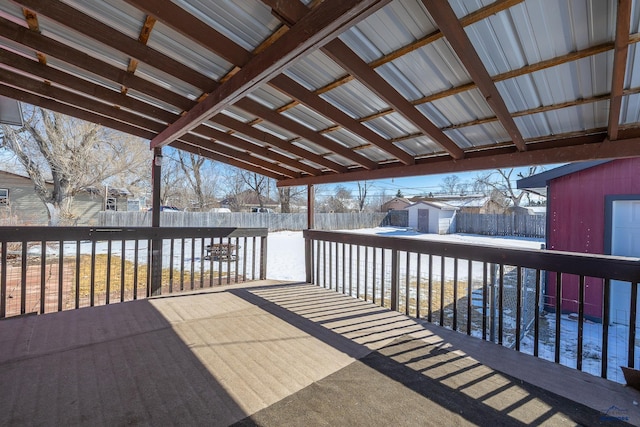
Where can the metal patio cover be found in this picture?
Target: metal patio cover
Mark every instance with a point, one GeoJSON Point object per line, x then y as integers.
{"type": "Point", "coordinates": [310, 92]}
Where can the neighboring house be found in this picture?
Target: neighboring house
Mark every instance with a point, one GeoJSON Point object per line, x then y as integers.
{"type": "Point", "coordinates": [431, 217]}
{"type": "Point", "coordinates": [19, 203]}
{"type": "Point", "coordinates": [592, 207]}
{"type": "Point", "coordinates": [395, 204]}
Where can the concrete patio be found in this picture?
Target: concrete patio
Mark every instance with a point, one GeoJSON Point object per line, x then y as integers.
{"type": "Point", "coordinates": [273, 353]}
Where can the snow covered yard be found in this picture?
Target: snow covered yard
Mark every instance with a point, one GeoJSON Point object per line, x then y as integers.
{"type": "Point", "coordinates": [286, 262]}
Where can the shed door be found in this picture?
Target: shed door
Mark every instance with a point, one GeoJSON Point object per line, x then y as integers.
{"type": "Point", "coordinates": [423, 220]}
{"type": "Point", "coordinates": [625, 241]}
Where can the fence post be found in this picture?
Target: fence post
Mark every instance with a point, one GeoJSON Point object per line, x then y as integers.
{"type": "Point", "coordinates": [395, 280]}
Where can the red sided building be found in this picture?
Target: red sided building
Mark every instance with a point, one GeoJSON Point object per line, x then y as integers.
{"type": "Point", "coordinates": [592, 207]}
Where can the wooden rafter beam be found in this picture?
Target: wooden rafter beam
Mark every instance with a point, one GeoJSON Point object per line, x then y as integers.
{"type": "Point", "coordinates": [450, 26]}
{"type": "Point", "coordinates": [171, 14]}
{"type": "Point", "coordinates": [184, 23]}
{"type": "Point", "coordinates": [313, 101]}
{"type": "Point", "coordinates": [621, 48]}
{"type": "Point", "coordinates": [56, 49]}
{"type": "Point", "coordinates": [574, 151]}
{"type": "Point", "coordinates": [354, 65]}
{"type": "Point", "coordinates": [321, 24]}
{"type": "Point", "coordinates": [103, 69]}
{"type": "Point", "coordinates": [267, 138]}
{"type": "Point", "coordinates": [93, 28]}
{"type": "Point", "coordinates": [145, 33]}
{"type": "Point", "coordinates": [129, 118]}
{"type": "Point", "coordinates": [284, 122]}
{"type": "Point", "coordinates": [111, 123]}
{"type": "Point", "coordinates": [292, 12]}
{"type": "Point", "coordinates": [79, 85]}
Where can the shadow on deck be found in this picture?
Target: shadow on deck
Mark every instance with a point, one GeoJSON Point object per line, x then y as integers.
{"type": "Point", "coordinates": [280, 354]}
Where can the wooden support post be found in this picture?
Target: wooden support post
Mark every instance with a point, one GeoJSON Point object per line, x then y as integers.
{"type": "Point", "coordinates": [156, 244]}
{"type": "Point", "coordinates": [308, 243]}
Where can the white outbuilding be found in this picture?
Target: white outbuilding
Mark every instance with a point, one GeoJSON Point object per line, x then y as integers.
{"type": "Point", "coordinates": [432, 217]}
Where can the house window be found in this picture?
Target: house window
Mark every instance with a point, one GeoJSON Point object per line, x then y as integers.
{"type": "Point", "coordinates": [111, 204]}
{"type": "Point", "coordinates": [4, 197]}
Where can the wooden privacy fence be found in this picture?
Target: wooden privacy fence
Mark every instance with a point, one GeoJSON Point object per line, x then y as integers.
{"type": "Point", "coordinates": [272, 221]}
{"type": "Point", "coordinates": [501, 225]}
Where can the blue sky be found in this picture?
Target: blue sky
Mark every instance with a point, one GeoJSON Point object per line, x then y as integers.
{"type": "Point", "coordinates": [419, 185]}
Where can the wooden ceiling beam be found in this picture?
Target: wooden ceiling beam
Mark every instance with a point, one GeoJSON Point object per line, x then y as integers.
{"type": "Point", "coordinates": [80, 59]}
{"type": "Point", "coordinates": [313, 101]}
{"type": "Point", "coordinates": [448, 22]}
{"type": "Point", "coordinates": [91, 27]}
{"type": "Point", "coordinates": [620, 52]}
{"type": "Point", "coordinates": [128, 118]}
{"type": "Point", "coordinates": [91, 89]}
{"type": "Point", "coordinates": [490, 159]}
{"type": "Point", "coordinates": [179, 20]}
{"type": "Point", "coordinates": [353, 64]}
{"type": "Point", "coordinates": [320, 24]}
{"type": "Point", "coordinates": [58, 50]}
{"type": "Point", "coordinates": [284, 122]}
{"type": "Point", "coordinates": [267, 138]}
{"type": "Point", "coordinates": [241, 144]}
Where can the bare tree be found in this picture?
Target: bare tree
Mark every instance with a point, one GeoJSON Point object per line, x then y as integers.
{"type": "Point", "coordinates": [286, 195]}
{"type": "Point", "coordinates": [256, 183]}
{"type": "Point", "coordinates": [450, 184]}
{"type": "Point", "coordinates": [363, 188]}
{"type": "Point", "coordinates": [63, 156]}
{"type": "Point", "coordinates": [500, 180]}
{"type": "Point", "coordinates": [201, 179]}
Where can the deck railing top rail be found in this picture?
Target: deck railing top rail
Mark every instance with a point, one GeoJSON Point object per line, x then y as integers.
{"type": "Point", "coordinates": [591, 265]}
{"type": "Point", "coordinates": [21, 234]}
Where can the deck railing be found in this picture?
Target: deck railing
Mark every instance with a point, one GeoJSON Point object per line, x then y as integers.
{"type": "Point", "coordinates": [46, 269]}
{"type": "Point", "coordinates": [503, 295]}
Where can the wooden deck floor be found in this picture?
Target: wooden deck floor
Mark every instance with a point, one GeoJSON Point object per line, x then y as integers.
{"type": "Point", "coordinates": [279, 354]}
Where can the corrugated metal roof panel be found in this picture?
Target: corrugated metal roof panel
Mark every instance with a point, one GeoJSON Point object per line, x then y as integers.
{"type": "Point", "coordinates": [167, 81]}
{"type": "Point", "coordinates": [392, 27]}
{"type": "Point", "coordinates": [392, 126]}
{"type": "Point", "coordinates": [570, 119]}
{"type": "Point", "coordinates": [630, 112]}
{"type": "Point", "coordinates": [153, 101]}
{"type": "Point", "coordinates": [115, 13]}
{"type": "Point", "coordinates": [83, 74]}
{"type": "Point", "coordinates": [270, 97]}
{"type": "Point", "coordinates": [308, 118]}
{"type": "Point", "coordinates": [193, 55]}
{"type": "Point", "coordinates": [238, 114]}
{"type": "Point", "coordinates": [314, 71]}
{"type": "Point", "coordinates": [483, 135]}
{"type": "Point", "coordinates": [274, 130]}
{"type": "Point", "coordinates": [12, 12]}
{"type": "Point", "coordinates": [537, 30]}
{"type": "Point", "coordinates": [463, 107]}
{"type": "Point", "coordinates": [91, 47]}
{"type": "Point", "coordinates": [559, 84]}
{"type": "Point", "coordinates": [431, 69]}
{"type": "Point", "coordinates": [246, 22]}
{"type": "Point", "coordinates": [419, 146]}
{"type": "Point", "coordinates": [374, 153]}
{"type": "Point", "coordinates": [355, 99]}
{"type": "Point", "coordinates": [346, 138]}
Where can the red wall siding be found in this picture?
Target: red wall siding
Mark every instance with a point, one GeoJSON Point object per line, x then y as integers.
{"type": "Point", "coordinates": [576, 222]}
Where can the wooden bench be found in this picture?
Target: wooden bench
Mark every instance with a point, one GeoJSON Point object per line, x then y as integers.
{"type": "Point", "coordinates": [221, 251]}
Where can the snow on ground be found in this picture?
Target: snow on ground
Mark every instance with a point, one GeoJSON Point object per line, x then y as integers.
{"type": "Point", "coordinates": [285, 249]}
{"type": "Point", "coordinates": [286, 262]}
